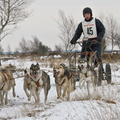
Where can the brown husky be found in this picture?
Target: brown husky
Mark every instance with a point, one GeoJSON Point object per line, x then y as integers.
{"type": "Point", "coordinates": [63, 80]}
{"type": "Point", "coordinates": [6, 82]}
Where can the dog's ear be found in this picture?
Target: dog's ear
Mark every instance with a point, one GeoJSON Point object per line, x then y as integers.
{"type": "Point", "coordinates": [37, 64]}
{"type": "Point", "coordinates": [31, 66]}
{"type": "Point", "coordinates": [25, 71]}
{"type": "Point", "coordinates": [79, 67]}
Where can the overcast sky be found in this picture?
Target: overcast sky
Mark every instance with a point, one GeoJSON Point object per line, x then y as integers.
{"type": "Point", "coordinates": [42, 24]}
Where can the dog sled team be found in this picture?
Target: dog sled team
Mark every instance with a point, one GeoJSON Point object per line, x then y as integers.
{"type": "Point", "coordinates": [36, 79]}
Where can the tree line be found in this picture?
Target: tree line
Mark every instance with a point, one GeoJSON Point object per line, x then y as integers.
{"type": "Point", "coordinates": [25, 46]}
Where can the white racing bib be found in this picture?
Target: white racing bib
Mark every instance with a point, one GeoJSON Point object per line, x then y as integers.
{"type": "Point", "coordinates": [89, 29]}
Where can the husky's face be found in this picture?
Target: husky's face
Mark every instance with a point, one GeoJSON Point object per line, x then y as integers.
{"type": "Point", "coordinates": [34, 70]}
{"type": "Point", "coordinates": [82, 63]}
{"type": "Point", "coordinates": [58, 71]}
{"type": "Point", "coordinates": [27, 73]}
{"type": "Point", "coordinates": [54, 70]}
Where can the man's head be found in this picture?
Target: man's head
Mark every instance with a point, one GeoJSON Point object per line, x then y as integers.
{"type": "Point", "coordinates": [87, 13]}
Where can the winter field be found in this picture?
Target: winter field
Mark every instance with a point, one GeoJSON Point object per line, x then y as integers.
{"type": "Point", "coordinates": [105, 105]}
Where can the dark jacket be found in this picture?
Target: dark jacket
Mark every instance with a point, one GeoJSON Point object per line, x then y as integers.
{"type": "Point", "coordinates": [100, 30]}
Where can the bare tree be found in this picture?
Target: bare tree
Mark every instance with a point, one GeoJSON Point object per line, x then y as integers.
{"type": "Point", "coordinates": [67, 28]}
{"type": "Point", "coordinates": [23, 45]}
{"type": "Point", "coordinates": [118, 41]}
{"type": "Point", "coordinates": [58, 48]}
{"type": "Point", "coordinates": [34, 44]}
{"type": "Point", "coordinates": [103, 42]}
{"type": "Point", "coordinates": [12, 12]}
{"type": "Point", "coordinates": [16, 50]}
{"type": "Point", "coordinates": [111, 30]}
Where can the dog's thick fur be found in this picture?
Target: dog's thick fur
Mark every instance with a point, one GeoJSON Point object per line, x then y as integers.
{"type": "Point", "coordinates": [63, 81]}
{"type": "Point", "coordinates": [39, 80]}
{"type": "Point", "coordinates": [6, 82]}
{"type": "Point", "coordinates": [87, 74]}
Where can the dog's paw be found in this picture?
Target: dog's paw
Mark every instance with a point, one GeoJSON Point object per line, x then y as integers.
{"type": "Point", "coordinates": [89, 98]}
{"type": "Point", "coordinates": [68, 99]}
{"type": "Point", "coordinates": [80, 86]}
{"type": "Point", "coordinates": [62, 98]}
{"type": "Point", "coordinates": [37, 101]}
{"type": "Point", "coordinates": [14, 95]}
{"type": "Point", "coordinates": [29, 98]}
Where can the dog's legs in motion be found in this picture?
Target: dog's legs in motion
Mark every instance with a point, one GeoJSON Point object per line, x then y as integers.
{"type": "Point", "coordinates": [25, 89]}
{"type": "Point", "coordinates": [45, 92]}
{"type": "Point", "coordinates": [80, 82]}
{"type": "Point", "coordinates": [13, 87]}
{"type": "Point", "coordinates": [94, 86]}
{"type": "Point", "coordinates": [68, 91]}
{"type": "Point", "coordinates": [12, 84]}
{"type": "Point", "coordinates": [14, 94]}
{"type": "Point", "coordinates": [38, 94]}
{"type": "Point", "coordinates": [1, 96]}
{"type": "Point", "coordinates": [32, 92]}
{"type": "Point", "coordinates": [65, 90]}
{"type": "Point", "coordinates": [58, 89]}
{"type": "Point", "coordinates": [88, 88]}
{"type": "Point", "coordinates": [5, 97]}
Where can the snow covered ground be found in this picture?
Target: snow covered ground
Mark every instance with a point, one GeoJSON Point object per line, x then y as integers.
{"type": "Point", "coordinates": [105, 105]}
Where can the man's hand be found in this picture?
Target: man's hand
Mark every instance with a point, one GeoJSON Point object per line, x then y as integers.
{"type": "Point", "coordinates": [94, 41]}
{"type": "Point", "coordinates": [73, 41]}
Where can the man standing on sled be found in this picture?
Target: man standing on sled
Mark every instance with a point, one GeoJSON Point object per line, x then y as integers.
{"type": "Point", "coordinates": [94, 30]}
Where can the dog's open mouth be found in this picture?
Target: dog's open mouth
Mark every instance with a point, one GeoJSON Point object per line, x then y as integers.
{"type": "Point", "coordinates": [57, 73]}
{"type": "Point", "coordinates": [82, 67]}
{"type": "Point", "coordinates": [35, 75]}
{"type": "Point", "coordinates": [28, 76]}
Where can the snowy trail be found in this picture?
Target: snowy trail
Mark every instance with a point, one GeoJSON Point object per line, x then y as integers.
{"type": "Point", "coordinates": [105, 106]}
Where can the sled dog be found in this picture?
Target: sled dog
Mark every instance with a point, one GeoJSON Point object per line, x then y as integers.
{"type": "Point", "coordinates": [87, 74]}
{"type": "Point", "coordinates": [6, 82]}
{"type": "Point", "coordinates": [63, 81]}
{"type": "Point", "coordinates": [39, 80]}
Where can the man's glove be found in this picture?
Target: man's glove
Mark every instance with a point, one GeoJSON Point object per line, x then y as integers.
{"type": "Point", "coordinates": [73, 41]}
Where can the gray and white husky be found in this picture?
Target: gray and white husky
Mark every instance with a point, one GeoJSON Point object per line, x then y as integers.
{"type": "Point", "coordinates": [87, 74]}
{"type": "Point", "coordinates": [39, 80]}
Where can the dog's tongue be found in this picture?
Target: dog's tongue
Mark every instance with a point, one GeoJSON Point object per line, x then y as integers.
{"type": "Point", "coordinates": [82, 67]}
{"type": "Point", "coordinates": [35, 75]}
{"type": "Point", "coordinates": [28, 76]}
{"type": "Point", "coordinates": [57, 73]}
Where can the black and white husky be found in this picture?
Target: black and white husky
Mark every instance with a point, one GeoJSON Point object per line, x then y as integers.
{"type": "Point", "coordinates": [87, 74]}
{"type": "Point", "coordinates": [39, 80]}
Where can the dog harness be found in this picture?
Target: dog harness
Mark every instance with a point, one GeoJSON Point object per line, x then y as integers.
{"type": "Point", "coordinates": [61, 84]}
{"type": "Point", "coordinates": [37, 82]}
{"type": "Point", "coordinates": [85, 75]}
{"type": "Point", "coordinates": [28, 84]}
{"type": "Point", "coordinates": [4, 80]}
{"type": "Point", "coordinates": [67, 72]}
